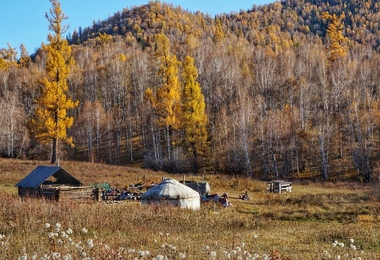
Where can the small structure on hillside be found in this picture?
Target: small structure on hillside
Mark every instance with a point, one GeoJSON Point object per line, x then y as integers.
{"type": "Point", "coordinates": [203, 188]}
{"type": "Point", "coordinates": [279, 186]}
{"type": "Point", "coordinates": [53, 182]}
{"type": "Point", "coordinates": [172, 193]}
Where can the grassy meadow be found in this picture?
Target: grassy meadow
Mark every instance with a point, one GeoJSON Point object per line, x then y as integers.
{"type": "Point", "coordinates": [315, 221]}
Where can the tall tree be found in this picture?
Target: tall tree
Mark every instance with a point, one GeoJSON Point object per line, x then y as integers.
{"type": "Point", "coordinates": [338, 42]}
{"type": "Point", "coordinates": [50, 121]}
{"type": "Point", "coordinates": [193, 109]}
{"type": "Point", "coordinates": [7, 58]}
{"type": "Point", "coordinates": [13, 133]}
{"type": "Point", "coordinates": [167, 101]}
{"type": "Point", "coordinates": [25, 59]}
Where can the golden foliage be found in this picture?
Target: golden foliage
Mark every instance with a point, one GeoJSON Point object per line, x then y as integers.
{"type": "Point", "coordinates": [193, 106]}
{"type": "Point", "coordinates": [7, 58]}
{"type": "Point", "coordinates": [168, 95]}
{"type": "Point", "coordinates": [338, 42]}
{"type": "Point", "coordinates": [218, 32]}
{"type": "Point", "coordinates": [50, 120]}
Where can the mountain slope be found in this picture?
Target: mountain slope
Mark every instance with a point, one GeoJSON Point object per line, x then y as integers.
{"type": "Point", "coordinates": [288, 19]}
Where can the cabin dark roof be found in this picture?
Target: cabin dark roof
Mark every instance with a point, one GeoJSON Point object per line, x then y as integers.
{"type": "Point", "coordinates": [42, 173]}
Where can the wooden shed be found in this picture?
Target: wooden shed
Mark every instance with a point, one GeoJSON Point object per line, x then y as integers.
{"type": "Point", "coordinates": [279, 186]}
{"type": "Point", "coordinates": [53, 182]}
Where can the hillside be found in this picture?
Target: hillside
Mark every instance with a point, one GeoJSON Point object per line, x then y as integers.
{"type": "Point", "coordinates": [286, 90]}
{"type": "Point", "coordinates": [286, 19]}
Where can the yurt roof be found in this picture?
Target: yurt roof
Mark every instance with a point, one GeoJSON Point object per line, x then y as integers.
{"type": "Point", "coordinates": [170, 189]}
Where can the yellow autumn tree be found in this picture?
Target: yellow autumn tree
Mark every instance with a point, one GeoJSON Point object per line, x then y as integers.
{"type": "Point", "coordinates": [51, 121]}
{"type": "Point", "coordinates": [193, 108]}
{"type": "Point", "coordinates": [25, 59]}
{"type": "Point", "coordinates": [337, 41]}
{"type": "Point", "coordinates": [219, 35]}
{"type": "Point", "coordinates": [167, 100]}
{"type": "Point", "coordinates": [7, 58]}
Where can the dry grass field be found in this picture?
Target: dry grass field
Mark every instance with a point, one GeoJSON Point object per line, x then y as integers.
{"type": "Point", "coordinates": [315, 221]}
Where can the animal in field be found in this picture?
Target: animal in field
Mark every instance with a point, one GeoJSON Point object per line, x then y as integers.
{"type": "Point", "coordinates": [223, 199]}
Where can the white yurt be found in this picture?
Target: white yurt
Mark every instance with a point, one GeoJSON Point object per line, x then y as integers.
{"type": "Point", "coordinates": [172, 192]}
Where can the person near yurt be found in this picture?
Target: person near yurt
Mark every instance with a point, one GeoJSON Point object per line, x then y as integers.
{"type": "Point", "coordinates": [172, 192]}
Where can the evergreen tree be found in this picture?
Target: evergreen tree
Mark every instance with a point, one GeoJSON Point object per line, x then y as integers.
{"type": "Point", "coordinates": [219, 35]}
{"type": "Point", "coordinates": [25, 59]}
{"type": "Point", "coordinates": [193, 109]}
{"type": "Point", "coordinates": [167, 101]}
{"type": "Point", "coordinates": [50, 121]}
{"type": "Point", "coordinates": [7, 57]}
{"type": "Point", "coordinates": [338, 42]}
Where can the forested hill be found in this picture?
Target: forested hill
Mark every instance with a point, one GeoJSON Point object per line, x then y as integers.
{"type": "Point", "coordinates": [290, 19]}
{"type": "Point", "coordinates": [285, 90]}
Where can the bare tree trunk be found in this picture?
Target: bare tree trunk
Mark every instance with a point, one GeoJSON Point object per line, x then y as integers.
{"type": "Point", "coordinates": [89, 144]}
{"type": "Point", "coordinates": [117, 145]}
{"type": "Point", "coordinates": [243, 127]}
{"type": "Point", "coordinates": [129, 137]}
{"type": "Point", "coordinates": [98, 136]}
{"type": "Point", "coordinates": [168, 143]}
{"type": "Point", "coordinates": [324, 156]}
{"type": "Point", "coordinates": [159, 152]}
{"type": "Point", "coordinates": [109, 130]}
{"type": "Point", "coordinates": [275, 167]}
{"type": "Point", "coordinates": [54, 151]}
{"type": "Point", "coordinates": [195, 162]}
{"type": "Point", "coordinates": [246, 156]}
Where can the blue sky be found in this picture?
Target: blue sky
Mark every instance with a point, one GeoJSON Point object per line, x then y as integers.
{"type": "Point", "coordinates": [24, 22]}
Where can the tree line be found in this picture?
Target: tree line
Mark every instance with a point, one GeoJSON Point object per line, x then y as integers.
{"type": "Point", "coordinates": [166, 95]}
